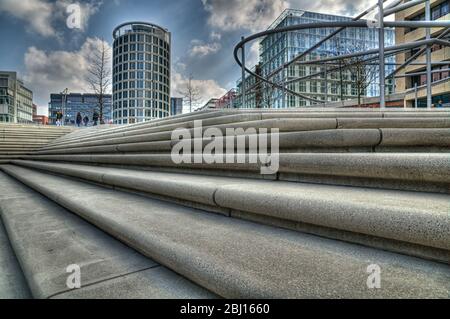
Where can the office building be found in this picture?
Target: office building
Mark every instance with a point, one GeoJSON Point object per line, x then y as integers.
{"type": "Point", "coordinates": [227, 101]}
{"type": "Point", "coordinates": [71, 104]}
{"type": "Point", "coordinates": [16, 100]}
{"type": "Point", "coordinates": [415, 85]}
{"type": "Point", "coordinates": [141, 72]}
{"type": "Point", "coordinates": [176, 105]}
{"type": "Point", "coordinates": [278, 49]}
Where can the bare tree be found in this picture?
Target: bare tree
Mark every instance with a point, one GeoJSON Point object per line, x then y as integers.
{"type": "Point", "coordinates": [190, 93]}
{"type": "Point", "coordinates": [267, 95]}
{"type": "Point", "coordinates": [362, 73]}
{"type": "Point", "coordinates": [341, 65]}
{"type": "Point", "coordinates": [100, 75]}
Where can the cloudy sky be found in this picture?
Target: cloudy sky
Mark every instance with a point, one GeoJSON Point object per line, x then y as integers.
{"type": "Point", "coordinates": [49, 56]}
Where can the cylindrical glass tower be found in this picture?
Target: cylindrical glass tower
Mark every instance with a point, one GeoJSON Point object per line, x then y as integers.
{"type": "Point", "coordinates": [141, 72]}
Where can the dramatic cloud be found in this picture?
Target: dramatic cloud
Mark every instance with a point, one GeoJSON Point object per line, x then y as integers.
{"type": "Point", "coordinates": [258, 15]}
{"type": "Point", "coordinates": [36, 13]}
{"type": "Point", "coordinates": [52, 72]}
{"type": "Point", "coordinates": [201, 49]}
{"type": "Point", "coordinates": [233, 15]}
{"type": "Point", "coordinates": [208, 88]}
{"type": "Point", "coordinates": [43, 17]}
{"type": "Point", "coordinates": [339, 7]}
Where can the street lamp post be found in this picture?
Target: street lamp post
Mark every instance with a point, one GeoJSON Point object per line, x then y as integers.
{"type": "Point", "coordinates": [64, 100]}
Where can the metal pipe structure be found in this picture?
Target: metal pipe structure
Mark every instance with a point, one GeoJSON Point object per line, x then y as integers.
{"type": "Point", "coordinates": [381, 49]}
{"type": "Point", "coordinates": [428, 54]}
{"type": "Point", "coordinates": [398, 47]}
{"type": "Point", "coordinates": [355, 23]}
{"type": "Point", "coordinates": [243, 75]}
{"type": "Point", "coordinates": [337, 68]}
{"type": "Point", "coordinates": [416, 55]}
{"type": "Point", "coordinates": [401, 7]}
{"type": "Point", "coordinates": [415, 95]}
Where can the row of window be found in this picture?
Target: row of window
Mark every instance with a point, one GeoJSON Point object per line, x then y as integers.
{"type": "Point", "coordinates": [119, 119]}
{"type": "Point", "coordinates": [139, 113]}
{"type": "Point", "coordinates": [133, 120]}
{"type": "Point", "coordinates": [436, 76]}
{"type": "Point", "coordinates": [140, 75]}
{"type": "Point", "coordinates": [302, 40]}
{"type": "Point", "coordinates": [141, 91]}
{"type": "Point", "coordinates": [139, 37]}
{"type": "Point", "coordinates": [437, 12]}
{"type": "Point", "coordinates": [141, 66]}
{"type": "Point", "coordinates": [132, 94]}
{"type": "Point", "coordinates": [163, 104]}
{"type": "Point", "coordinates": [144, 57]}
{"type": "Point", "coordinates": [320, 87]}
{"type": "Point", "coordinates": [139, 47]}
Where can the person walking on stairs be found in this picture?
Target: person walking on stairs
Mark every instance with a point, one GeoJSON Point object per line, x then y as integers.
{"type": "Point", "coordinates": [95, 118]}
{"type": "Point", "coordinates": [59, 117]}
{"type": "Point", "coordinates": [79, 119]}
{"type": "Point", "coordinates": [86, 120]}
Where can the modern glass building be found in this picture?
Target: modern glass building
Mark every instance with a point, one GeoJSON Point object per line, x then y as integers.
{"type": "Point", "coordinates": [16, 101]}
{"type": "Point", "coordinates": [73, 103]}
{"type": "Point", "coordinates": [277, 49]}
{"type": "Point", "coordinates": [141, 72]}
{"type": "Point", "coordinates": [176, 105]}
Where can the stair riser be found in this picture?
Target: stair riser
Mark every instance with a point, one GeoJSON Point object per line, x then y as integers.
{"type": "Point", "coordinates": [237, 259]}
{"type": "Point", "coordinates": [289, 203]}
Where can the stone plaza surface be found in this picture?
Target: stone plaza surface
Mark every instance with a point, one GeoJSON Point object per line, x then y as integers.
{"type": "Point", "coordinates": [355, 187]}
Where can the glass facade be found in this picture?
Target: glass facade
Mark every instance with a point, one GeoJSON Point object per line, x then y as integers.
{"type": "Point", "coordinates": [86, 104]}
{"type": "Point", "coordinates": [141, 73]}
{"type": "Point", "coordinates": [176, 105]}
{"type": "Point", "coordinates": [278, 49]}
{"type": "Point", "coordinates": [16, 101]}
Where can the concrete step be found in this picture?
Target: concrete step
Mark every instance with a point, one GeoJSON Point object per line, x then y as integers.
{"type": "Point", "coordinates": [14, 153]}
{"type": "Point", "coordinates": [329, 211]}
{"type": "Point", "coordinates": [433, 130]}
{"type": "Point", "coordinates": [240, 259]}
{"type": "Point", "coordinates": [99, 130]}
{"type": "Point", "coordinates": [404, 122]}
{"type": "Point", "coordinates": [282, 125]}
{"type": "Point", "coordinates": [167, 125]}
{"type": "Point", "coordinates": [17, 147]}
{"type": "Point", "coordinates": [27, 142]}
{"type": "Point", "coordinates": [12, 282]}
{"type": "Point", "coordinates": [314, 139]}
{"type": "Point", "coordinates": [355, 114]}
{"type": "Point", "coordinates": [215, 118]}
{"type": "Point", "coordinates": [31, 134]}
{"type": "Point", "coordinates": [47, 239]}
{"type": "Point", "coordinates": [337, 140]}
{"type": "Point", "coordinates": [406, 171]}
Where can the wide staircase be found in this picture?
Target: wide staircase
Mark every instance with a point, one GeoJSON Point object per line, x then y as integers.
{"type": "Point", "coordinates": [356, 195]}
{"type": "Point", "coordinates": [20, 139]}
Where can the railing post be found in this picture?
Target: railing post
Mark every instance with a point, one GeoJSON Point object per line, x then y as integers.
{"type": "Point", "coordinates": [326, 83]}
{"type": "Point", "coordinates": [381, 54]}
{"type": "Point", "coordinates": [243, 74]}
{"type": "Point", "coordinates": [428, 54]}
{"type": "Point", "coordinates": [415, 95]}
